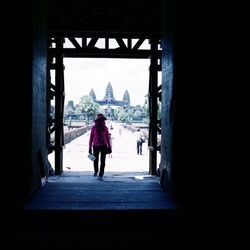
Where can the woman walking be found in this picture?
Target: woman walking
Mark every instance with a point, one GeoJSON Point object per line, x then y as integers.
{"type": "Point", "coordinates": [99, 141]}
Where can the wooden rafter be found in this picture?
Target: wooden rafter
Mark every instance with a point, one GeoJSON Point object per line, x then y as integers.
{"type": "Point", "coordinates": [74, 42]}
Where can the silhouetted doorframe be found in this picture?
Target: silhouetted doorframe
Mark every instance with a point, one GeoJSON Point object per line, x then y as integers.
{"type": "Point", "coordinates": [129, 47]}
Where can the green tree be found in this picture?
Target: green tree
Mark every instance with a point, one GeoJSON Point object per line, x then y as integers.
{"type": "Point", "coordinates": [122, 116]}
{"type": "Point", "coordinates": [88, 107]}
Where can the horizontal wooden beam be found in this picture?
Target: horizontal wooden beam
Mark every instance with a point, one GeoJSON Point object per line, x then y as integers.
{"type": "Point", "coordinates": [103, 53]}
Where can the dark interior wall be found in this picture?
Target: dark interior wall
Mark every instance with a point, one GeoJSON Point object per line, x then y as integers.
{"type": "Point", "coordinates": [186, 115]}
{"type": "Point", "coordinates": [167, 96]}
{"type": "Point", "coordinates": [166, 117]}
{"type": "Point", "coordinates": [38, 94]}
{"type": "Point", "coordinates": [181, 104]}
{"type": "Point", "coordinates": [25, 62]}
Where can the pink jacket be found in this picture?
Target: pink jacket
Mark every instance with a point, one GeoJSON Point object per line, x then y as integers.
{"type": "Point", "coordinates": [94, 137]}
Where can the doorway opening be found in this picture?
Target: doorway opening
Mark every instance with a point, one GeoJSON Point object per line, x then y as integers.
{"type": "Point", "coordinates": [119, 89]}
{"type": "Point", "coordinates": [149, 50]}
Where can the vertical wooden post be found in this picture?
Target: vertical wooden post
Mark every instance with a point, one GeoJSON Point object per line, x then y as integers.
{"type": "Point", "coordinates": [59, 100]}
{"type": "Point", "coordinates": [153, 84]}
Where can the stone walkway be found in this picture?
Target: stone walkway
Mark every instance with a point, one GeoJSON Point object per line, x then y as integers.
{"type": "Point", "coordinates": [124, 156]}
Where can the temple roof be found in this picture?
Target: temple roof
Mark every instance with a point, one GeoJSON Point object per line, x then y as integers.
{"type": "Point", "coordinates": [109, 97]}
{"type": "Point", "coordinates": [92, 94]}
{"type": "Point", "coordinates": [109, 92]}
{"type": "Point", "coordinates": [126, 97]}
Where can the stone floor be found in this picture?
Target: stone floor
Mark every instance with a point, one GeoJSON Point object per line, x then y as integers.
{"type": "Point", "coordinates": [126, 183]}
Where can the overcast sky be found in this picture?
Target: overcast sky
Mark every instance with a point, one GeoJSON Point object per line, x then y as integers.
{"type": "Point", "coordinates": [83, 74]}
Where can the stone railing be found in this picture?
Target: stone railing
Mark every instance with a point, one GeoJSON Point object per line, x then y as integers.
{"type": "Point", "coordinates": [74, 133]}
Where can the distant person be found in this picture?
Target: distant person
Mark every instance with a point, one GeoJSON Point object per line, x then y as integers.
{"type": "Point", "coordinates": [110, 139]}
{"type": "Point", "coordinates": [100, 142]}
{"type": "Point", "coordinates": [139, 141]}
